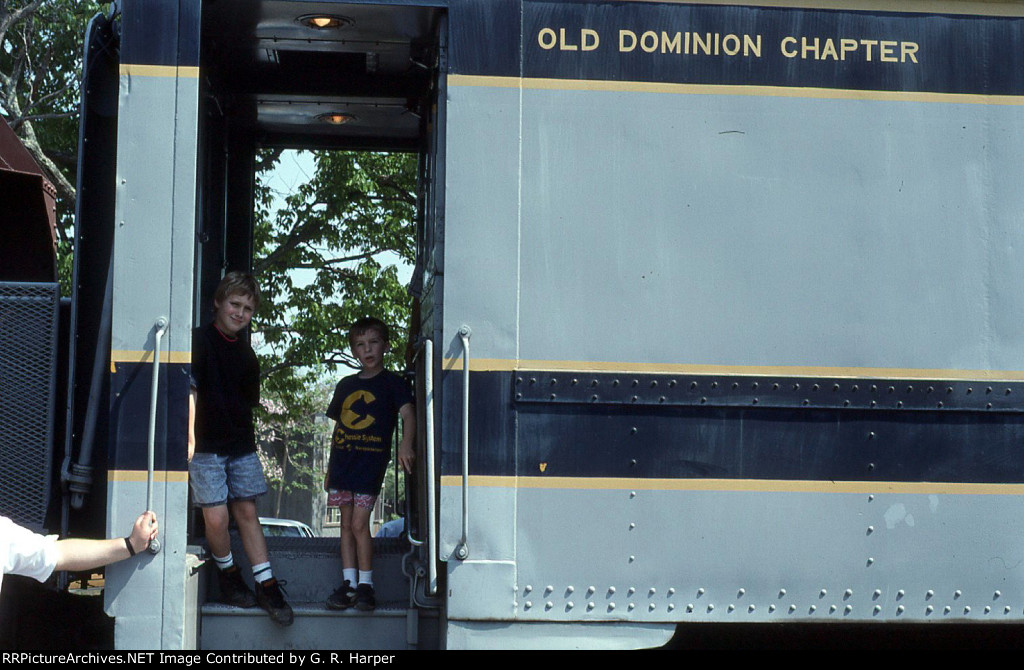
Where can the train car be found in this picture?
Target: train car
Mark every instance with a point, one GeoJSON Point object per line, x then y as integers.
{"type": "Point", "coordinates": [720, 303]}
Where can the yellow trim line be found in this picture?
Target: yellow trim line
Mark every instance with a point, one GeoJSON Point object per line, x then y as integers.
{"type": "Point", "coordinates": [130, 356]}
{"type": "Point", "coordinates": [732, 485]}
{"type": "Point", "coordinates": [542, 84]}
{"type": "Point", "coordinates": [140, 476]}
{"type": "Point", "coordinates": [179, 71]}
{"type": "Point", "coordinates": [584, 367]}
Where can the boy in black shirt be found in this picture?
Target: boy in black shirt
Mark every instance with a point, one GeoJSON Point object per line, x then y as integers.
{"type": "Point", "coordinates": [365, 408]}
{"type": "Point", "coordinates": [224, 470]}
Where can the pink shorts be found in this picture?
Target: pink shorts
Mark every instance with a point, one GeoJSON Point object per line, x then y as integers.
{"type": "Point", "coordinates": [347, 499]}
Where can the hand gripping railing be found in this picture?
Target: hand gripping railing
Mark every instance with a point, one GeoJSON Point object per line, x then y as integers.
{"type": "Point", "coordinates": [161, 328]}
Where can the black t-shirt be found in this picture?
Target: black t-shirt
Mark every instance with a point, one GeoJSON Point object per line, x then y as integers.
{"type": "Point", "coordinates": [226, 375]}
{"type": "Point", "coordinates": [366, 411]}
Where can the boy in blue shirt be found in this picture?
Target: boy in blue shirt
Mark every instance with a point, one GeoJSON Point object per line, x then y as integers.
{"type": "Point", "coordinates": [365, 408]}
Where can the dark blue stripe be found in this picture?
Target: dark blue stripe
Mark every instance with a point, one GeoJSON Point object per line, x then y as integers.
{"type": "Point", "coordinates": [160, 32]}
{"type": "Point", "coordinates": [129, 416]}
{"type": "Point", "coordinates": [587, 440]}
{"type": "Point", "coordinates": [955, 54]}
{"type": "Point", "coordinates": [484, 37]}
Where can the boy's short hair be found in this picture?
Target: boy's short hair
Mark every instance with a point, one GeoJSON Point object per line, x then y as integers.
{"type": "Point", "coordinates": [238, 283]}
{"type": "Point", "coordinates": [368, 323]}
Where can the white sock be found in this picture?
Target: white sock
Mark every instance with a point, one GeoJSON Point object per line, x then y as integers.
{"type": "Point", "coordinates": [366, 577]}
{"type": "Point", "coordinates": [225, 562]}
{"type": "Point", "coordinates": [349, 575]}
{"type": "Point", "coordinates": [262, 572]}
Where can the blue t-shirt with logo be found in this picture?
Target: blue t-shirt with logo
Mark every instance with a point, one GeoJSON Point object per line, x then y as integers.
{"type": "Point", "coordinates": [365, 412]}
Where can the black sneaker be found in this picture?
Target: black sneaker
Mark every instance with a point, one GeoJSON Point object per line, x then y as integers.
{"type": "Point", "coordinates": [270, 597]}
{"type": "Point", "coordinates": [233, 589]}
{"type": "Point", "coordinates": [342, 598]}
{"type": "Point", "coordinates": [365, 601]}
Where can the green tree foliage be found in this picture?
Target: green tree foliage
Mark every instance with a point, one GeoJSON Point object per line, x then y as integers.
{"type": "Point", "coordinates": [40, 73]}
{"type": "Point", "coordinates": [331, 256]}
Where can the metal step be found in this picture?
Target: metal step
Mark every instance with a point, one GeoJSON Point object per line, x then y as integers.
{"type": "Point", "coordinates": [316, 627]}
{"type": "Point", "coordinates": [310, 570]}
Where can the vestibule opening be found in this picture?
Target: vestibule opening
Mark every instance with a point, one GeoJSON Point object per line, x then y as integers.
{"type": "Point", "coordinates": [316, 125]}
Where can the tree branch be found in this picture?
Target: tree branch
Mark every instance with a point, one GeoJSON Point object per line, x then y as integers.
{"type": "Point", "coordinates": [16, 123]}
{"type": "Point", "coordinates": [8, 19]}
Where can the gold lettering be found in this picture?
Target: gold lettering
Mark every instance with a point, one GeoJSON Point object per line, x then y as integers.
{"type": "Point", "coordinates": [830, 49]}
{"type": "Point", "coordinates": [702, 45]}
{"type": "Point", "coordinates": [908, 49]}
{"type": "Point", "coordinates": [649, 41]}
{"type": "Point", "coordinates": [563, 45]}
{"type": "Point", "coordinates": [846, 45]}
{"type": "Point", "coordinates": [885, 50]}
{"type": "Point", "coordinates": [623, 36]}
{"type": "Point", "coordinates": [671, 44]}
{"type": "Point", "coordinates": [546, 38]}
{"type": "Point", "coordinates": [869, 44]}
{"type": "Point", "coordinates": [806, 46]}
{"type": "Point", "coordinates": [586, 35]}
{"type": "Point", "coordinates": [790, 40]}
{"type": "Point", "coordinates": [734, 42]}
{"type": "Point", "coordinates": [750, 46]}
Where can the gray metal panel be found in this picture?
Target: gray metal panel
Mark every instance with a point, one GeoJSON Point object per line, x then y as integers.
{"type": "Point", "coordinates": [716, 229]}
{"type": "Point", "coordinates": [482, 221]}
{"type": "Point", "coordinates": [743, 556]}
{"type": "Point", "coordinates": [528, 635]}
{"type": "Point", "coordinates": [492, 523]}
{"type": "Point", "coordinates": [150, 596]}
{"type": "Point", "coordinates": [154, 243]}
{"type": "Point", "coordinates": [153, 259]}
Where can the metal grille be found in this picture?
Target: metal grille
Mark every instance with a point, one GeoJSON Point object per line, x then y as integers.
{"type": "Point", "coordinates": [28, 374]}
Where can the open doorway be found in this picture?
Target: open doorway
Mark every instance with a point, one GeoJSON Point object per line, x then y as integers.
{"type": "Point", "coordinates": [334, 242]}
{"type": "Point", "coordinates": [344, 96]}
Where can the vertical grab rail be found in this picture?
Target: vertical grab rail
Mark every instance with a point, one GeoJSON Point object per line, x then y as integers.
{"type": "Point", "coordinates": [161, 328]}
{"type": "Point", "coordinates": [428, 381]}
{"type": "Point", "coordinates": [462, 549]}
{"type": "Point", "coordinates": [428, 416]}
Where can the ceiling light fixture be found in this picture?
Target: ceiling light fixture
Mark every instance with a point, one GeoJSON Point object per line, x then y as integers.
{"type": "Point", "coordinates": [324, 21]}
{"type": "Point", "coordinates": [335, 118]}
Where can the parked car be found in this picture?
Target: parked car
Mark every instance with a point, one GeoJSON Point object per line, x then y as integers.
{"type": "Point", "coordinates": [284, 528]}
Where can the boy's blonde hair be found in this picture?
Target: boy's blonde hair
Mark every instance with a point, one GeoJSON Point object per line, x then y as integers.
{"type": "Point", "coordinates": [368, 323]}
{"type": "Point", "coordinates": [238, 283]}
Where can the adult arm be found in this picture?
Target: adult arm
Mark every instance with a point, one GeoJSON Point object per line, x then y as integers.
{"type": "Point", "coordinates": [78, 554]}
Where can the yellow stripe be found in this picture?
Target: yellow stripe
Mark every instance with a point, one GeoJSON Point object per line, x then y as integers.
{"type": "Point", "coordinates": [969, 7]}
{"type": "Point", "coordinates": [724, 89]}
{"type": "Point", "coordinates": [732, 485]}
{"type": "Point", "coordinates": [180, 71]}
{"type": "Point", "coordinates": [583, 367]}
{"type": "Point", "coordinates": [140, 476]}
{"type": "Point", "coordinates": [132, 356]}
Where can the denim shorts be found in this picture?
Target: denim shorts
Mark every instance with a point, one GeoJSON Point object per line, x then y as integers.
{"type": "Point", "coordinates": [217, 479]}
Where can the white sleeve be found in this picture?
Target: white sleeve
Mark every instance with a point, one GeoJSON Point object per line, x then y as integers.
{"type": "Point", "coordinates": [26, 553]}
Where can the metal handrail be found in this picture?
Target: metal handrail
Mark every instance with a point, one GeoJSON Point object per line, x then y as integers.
{"type": "Point", "coordinates": [426, 346]}
{"type": "Point", "coordinates": [462, 549]}
{"type": "Point", "coordinates": [161, 328]}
